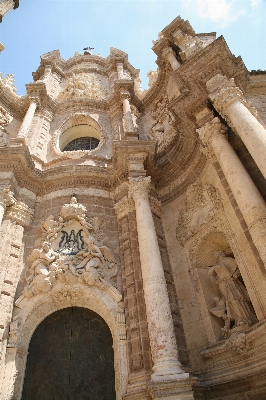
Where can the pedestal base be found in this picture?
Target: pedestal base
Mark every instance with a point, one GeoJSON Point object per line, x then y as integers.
{"type": "Point", "coordinates": [173, 390]}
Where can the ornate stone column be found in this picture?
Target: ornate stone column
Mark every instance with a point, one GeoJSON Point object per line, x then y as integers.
{"type": "Point", "coordinates": [251, 204]}
{"type": "Point", "coordinates": [6, 200]}
{"type": "Point", "coordinates": [169, 54]}
{"type": "Point", "coordinates": [229, 101]}
{"type": "Point", "coordinates": [128, 121]}
{"type": "Point", "coordinates": [160, 324]}
{"type": "Point", "coordinates": [27, 121]}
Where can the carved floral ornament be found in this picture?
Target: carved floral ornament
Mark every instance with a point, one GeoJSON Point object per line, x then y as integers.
{"type": "Point", "coordinates": [71, 252]}
{"type": "Point", "coordinates": [75, 120]}
{"type": "Point", "coordinates": [162, 129]}
{"type": "Point", "coordinates": [201, 205]}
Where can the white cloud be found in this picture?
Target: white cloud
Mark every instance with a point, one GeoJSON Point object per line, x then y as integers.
{"type": "Point", "coordinates": [220, 11]}
{"type": "Point", "coordinates": [255, 3]}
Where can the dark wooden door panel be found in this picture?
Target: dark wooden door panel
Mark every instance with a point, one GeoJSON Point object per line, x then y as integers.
{"type": "Point", "coordinates": [70, 358]}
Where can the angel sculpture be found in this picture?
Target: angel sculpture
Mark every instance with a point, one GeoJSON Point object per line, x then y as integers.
{"type": "Point", "coordinates": [42, 271]}
{"type": "Point", "coordinates": [98, 265]}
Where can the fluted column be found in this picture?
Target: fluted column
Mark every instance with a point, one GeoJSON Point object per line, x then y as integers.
{"type": "Point", "coordinates": [229, 101]}
{"type": "Point", "coordinates": [169, 54]}
{"type": "Point", "coordinates": [128, 120]}
{"type": "Point", "coordinates": [250, 202]}
{"type": "Point", "coordinates": [160, 324]}
{"type": "Point", "coordinates": [27, 121]}
{"type": "Point", "coordinates": [6, 200]}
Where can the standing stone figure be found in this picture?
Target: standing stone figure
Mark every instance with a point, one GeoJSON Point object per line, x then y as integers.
{"type": "Point", "coordinates": [235, 298]}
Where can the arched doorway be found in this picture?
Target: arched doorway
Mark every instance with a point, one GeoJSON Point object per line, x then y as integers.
{"type": "Point", "coordinates": [70, 358]}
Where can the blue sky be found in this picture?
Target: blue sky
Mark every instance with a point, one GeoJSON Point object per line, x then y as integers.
{"type": "Point", "coordinates": [39, 26]}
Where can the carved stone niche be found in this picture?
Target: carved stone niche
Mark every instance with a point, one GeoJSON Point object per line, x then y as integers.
{"type": "Point", "coordinates": [71, 251]}
{"type": "Point", "coordinates": [162, 130]}
{"type": "Point", "coordinates": [222, 296]}
{"type": "Point", "coordinates": [76, 127]}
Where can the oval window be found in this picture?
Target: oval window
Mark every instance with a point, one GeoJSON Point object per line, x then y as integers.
{"type": "Point", "coordinates": [79, 137]}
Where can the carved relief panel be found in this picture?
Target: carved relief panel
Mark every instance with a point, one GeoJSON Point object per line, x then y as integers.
{"type": "Point", "coordinates": [71, 251]}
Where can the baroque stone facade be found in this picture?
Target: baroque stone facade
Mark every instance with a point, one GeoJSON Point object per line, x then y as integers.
{"type": "Point", "coordinates": [146, 208]}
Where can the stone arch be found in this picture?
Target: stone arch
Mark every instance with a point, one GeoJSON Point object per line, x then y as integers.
{"type": "Point", "coordinates": [29, 313]}
{"type": "Point", "coordinates": [66, 132]}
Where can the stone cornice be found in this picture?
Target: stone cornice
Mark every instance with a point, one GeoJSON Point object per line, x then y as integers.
{"type": "Point", "coordinates": [122, 150]}
{"type": "Point", "coordinates": [16, 104]}
{"type": "Point", "coordinates": [18, 160]}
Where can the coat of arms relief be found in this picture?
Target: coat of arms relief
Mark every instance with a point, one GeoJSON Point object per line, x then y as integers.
{"type": "Point", "coordinates": [71, 251]}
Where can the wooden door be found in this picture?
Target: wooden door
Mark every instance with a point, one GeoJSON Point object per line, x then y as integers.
{"type": "Point", "coordinates": [70, 358]}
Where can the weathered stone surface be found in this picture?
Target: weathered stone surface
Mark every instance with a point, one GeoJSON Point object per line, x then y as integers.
{"type": "Point", "coordinates": [159, 228]}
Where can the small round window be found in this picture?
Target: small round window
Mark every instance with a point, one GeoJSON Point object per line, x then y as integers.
{"type": "Point", "coordinates": [79, 137]}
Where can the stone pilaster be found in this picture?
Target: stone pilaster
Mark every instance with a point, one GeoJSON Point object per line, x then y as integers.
{"type": "Point", "coordinates": [160, 323]}
{"type": "Point", "coordinates": [229, 101]}
{"type": "Point", "coordinates": [169, 55]}
{"type": "Point", "coordinates": [27, 121]}
{"type": "Point", "coordinates": [18, 217]}
{"type": "Point", "coordinates": [136, 320]}
{"type": "Point", "coordinates": [250, 202]}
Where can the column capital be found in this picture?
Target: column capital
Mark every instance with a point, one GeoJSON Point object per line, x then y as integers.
{"type": "Point", "coordinates": [223, 92]}
{"type": "Point", "coordinates": [211, 130]}
{"type": "Point", "coordinates": [21, 214]}
{"type": "Point", "coordinates": [169, 54]}
{"type": "Point", "coordinates": [124, 95]}
{"type": "Point", "coordinates": [139, 186]}
{"type": "Point", "coordinates": [7, 198]}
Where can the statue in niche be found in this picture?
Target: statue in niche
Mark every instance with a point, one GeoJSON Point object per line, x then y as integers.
{"type": "Point", "coordinates": [162, 129]}
{"type": "Point", "coordinates": [234, 306]}
{"type": "Point", "coordinates": [71, 252]}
